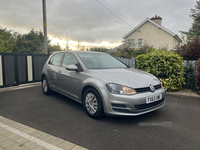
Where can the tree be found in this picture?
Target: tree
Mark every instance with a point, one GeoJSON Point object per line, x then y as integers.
{"type": "Point", "coordinates": [190, 50]}
{"type": "Point", "coordinates": [67, 46]}
{"type": "Point", "coordinates": [78, 45]}
{"type": "Point", "coordinates": [7, 41]}
{"type": "Point", "coordinates": [194, 31]}
{"type": "Point", "coordinates": [99, 49]}
{"type": "Point", "coordinates": [54, 48]}
{"type": "Point", "coordinates": [31, 42]}
{"type": "Point", "coordinates": [127, 52]}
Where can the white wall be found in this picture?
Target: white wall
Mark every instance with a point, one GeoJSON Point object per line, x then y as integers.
{"type": "Point", "coordinates": [152, 35]}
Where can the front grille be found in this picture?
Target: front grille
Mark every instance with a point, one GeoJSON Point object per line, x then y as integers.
{"type": "Point", "coordinates": [158, 86]}
{"type": "Point", "coordinates": [145, 106]}
{"type": "Point", "coordinates": [147, 89]}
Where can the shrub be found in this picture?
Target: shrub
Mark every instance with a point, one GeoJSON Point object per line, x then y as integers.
{"type": "Point", "coordinates": [189, 78]}
{"type": "Point", "coordinates": [127, 52]}
{"type": "Point", "coordinates": [190, 50]}
{"type": "Point", "coordinates": [99, 49]}
{"type": "Point", "coordinates": [189, 75]}
{"type": "Point", "coordinates": [166, 66]}
{"type": "Point", "coordinates": [197, 80]}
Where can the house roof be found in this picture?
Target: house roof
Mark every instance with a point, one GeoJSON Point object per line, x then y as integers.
{"type": "Point", "coordinates": [159, 26]}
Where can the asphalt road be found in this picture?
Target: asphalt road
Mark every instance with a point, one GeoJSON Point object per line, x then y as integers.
{"type": "Point", "coordinates": [66, 119]}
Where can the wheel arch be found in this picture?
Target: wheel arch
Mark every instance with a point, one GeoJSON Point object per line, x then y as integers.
{"type": "Point", "coordinates": [94, 87]}
{"type": "Point", "coordinates": [43, 75]}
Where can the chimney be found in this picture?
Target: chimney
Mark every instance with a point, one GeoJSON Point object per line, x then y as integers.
{"type": "Point", "coordinates": [157, 19]}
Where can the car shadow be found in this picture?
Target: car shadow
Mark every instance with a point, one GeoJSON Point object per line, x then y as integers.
{"type": "Point", "coordinates": [134, 120]}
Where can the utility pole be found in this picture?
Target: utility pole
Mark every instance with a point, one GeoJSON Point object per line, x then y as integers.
{"type": "Point", "coordinates": [45, 26]}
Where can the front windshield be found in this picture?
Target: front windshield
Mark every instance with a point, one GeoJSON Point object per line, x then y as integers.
{"type": "Point", "coordinates": [100, 61]}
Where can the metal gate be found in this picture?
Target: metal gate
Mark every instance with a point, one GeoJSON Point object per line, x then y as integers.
{"type": "Point", "coordinates": [18, 68]}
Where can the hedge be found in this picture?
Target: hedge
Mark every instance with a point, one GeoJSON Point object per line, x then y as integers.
{"type": "Point", "coordinates": [166, 66]}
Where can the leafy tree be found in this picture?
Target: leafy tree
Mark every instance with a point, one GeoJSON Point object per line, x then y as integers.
{"type": "Point", "coordinates": [190, 50]}
{"type": "Point", "coordinates": [54, 48]}
{"type": "Point", "coordinates": [31, 42]}
{"type": "Point", "coordinates": [7, 40]}
{"type": "Point", "coordinates": [194, 31]}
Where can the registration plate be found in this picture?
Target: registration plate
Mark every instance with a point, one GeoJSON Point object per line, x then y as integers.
{"type": "Point", "coordinates": [153, 98]}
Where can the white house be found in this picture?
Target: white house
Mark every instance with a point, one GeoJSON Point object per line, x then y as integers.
{"type": "Point", "coordinates": [151, 32]}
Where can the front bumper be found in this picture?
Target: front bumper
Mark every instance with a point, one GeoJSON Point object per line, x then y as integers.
{"type": "Point", "coordinates": [133, 105]}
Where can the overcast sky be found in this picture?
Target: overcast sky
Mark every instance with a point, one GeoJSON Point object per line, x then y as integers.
{"type": "Point", "coordinates": [87, 20]}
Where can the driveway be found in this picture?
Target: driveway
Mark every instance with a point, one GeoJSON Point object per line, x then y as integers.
{"type": "Point", "coordinates": [175, 126]}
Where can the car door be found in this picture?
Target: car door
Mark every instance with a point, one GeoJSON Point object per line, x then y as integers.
{"type": "Point", "coordinates": [69, 81]}
{"type": "Point", "coordinates": [53, 70]}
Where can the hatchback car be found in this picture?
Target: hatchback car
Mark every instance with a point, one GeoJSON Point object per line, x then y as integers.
{"type": "Point", "coordinates": [103, 84]}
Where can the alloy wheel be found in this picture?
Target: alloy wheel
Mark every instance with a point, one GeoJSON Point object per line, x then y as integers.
{"type": "Point", "coordinates": [44, 85]}
{"type": "Point", "coordinates": [91, 103]}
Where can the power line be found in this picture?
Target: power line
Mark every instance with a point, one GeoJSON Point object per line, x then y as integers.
{"type": "Point", "coordinates": [114, 14]}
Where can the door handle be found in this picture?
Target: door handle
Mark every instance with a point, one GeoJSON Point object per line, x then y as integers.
{"type": "Point", "coordinates": [59, 71]}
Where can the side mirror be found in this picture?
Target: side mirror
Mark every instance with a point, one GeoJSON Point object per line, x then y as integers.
{"type": "Point", "coordinates": [72, 68]}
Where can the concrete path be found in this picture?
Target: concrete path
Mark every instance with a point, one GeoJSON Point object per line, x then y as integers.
{"type": "Point", "coordinates": [16, 136]}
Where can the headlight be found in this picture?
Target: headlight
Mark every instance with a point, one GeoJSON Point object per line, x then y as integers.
{"type": "Point", "coordinates": [120, 89]}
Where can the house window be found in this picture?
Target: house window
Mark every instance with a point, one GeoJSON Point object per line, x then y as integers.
{"type": "Point", "coordinates": [131, 43]}
{"type": "Point", "coordinates": [139, 42]}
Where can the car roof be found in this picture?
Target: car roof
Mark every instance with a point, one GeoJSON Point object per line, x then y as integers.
{"type": "Point", "coordinates": [79, 52]}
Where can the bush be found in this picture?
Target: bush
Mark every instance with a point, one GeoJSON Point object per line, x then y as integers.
{"type": "Point", "coordinates": [190, 50]}
{"type": "Point", "coordinates": [197, 80]}
{"type": "Point", "coordinates": [189, 75]}
{"type": "Point", "coordinates": [166, 66]}
{"type": "Point", "coordinates": [189, 78]}
{"type": "Point", "coordinates": [127, 52]}
{"type": "Point", "coordinates": [99, 49]}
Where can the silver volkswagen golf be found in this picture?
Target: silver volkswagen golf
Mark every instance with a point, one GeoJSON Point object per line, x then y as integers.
{"type": "Point", "coordinates": [103, 84]}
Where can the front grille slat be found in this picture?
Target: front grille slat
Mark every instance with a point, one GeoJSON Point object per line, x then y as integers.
{"type": "Point", "coordinates": [145, 106]}
{"type": "Point", "coordinates": [157, 86]}
{"type": "Point", "coordinates": [147, 89]}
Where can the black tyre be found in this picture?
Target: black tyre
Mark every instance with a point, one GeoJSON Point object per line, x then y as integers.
{"type": "Point", "coordinates": [93, 103]}
{"type": "Point", "coordinates": [45, 86]}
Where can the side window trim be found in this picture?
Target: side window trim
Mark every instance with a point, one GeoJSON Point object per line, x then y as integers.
{"type": "Point", "coordinates": [81, 68]}
{"type": "Point", "coordinates": [63, 54]}
{"type": "Point", "coordinates": [51, 60]}
{"type": "Point", "coordinates": [54, 57]}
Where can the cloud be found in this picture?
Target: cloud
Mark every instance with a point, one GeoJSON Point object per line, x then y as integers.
{"type": "Point", "coordinates": [87, 20]}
